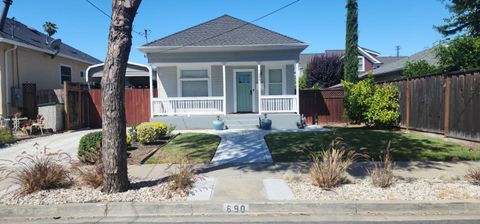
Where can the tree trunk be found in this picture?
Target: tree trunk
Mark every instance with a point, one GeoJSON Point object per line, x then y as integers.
{"type": "Point", "coordinates": [114, 148]}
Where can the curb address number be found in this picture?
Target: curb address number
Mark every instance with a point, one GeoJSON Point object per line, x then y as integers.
{"type": "Point", "coordinates": [235, 208]}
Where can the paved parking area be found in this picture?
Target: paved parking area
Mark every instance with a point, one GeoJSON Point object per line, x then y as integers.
{"type": "Point", "coordinates": [66, 142]}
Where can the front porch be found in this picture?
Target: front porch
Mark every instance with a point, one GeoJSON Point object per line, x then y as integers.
{"type": "Point", "coordinates": [225, 88]}
{"type": "Point", "coordinates": [232, 121]}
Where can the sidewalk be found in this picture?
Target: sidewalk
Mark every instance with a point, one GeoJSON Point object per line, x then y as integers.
{"type": "Point", "coordinates": [246, 182]}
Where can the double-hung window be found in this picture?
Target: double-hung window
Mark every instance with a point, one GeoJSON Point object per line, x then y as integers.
{"type": "Point", "coordinates": [275, 84]}
{"type": "Point", "coordinates": [361, 64]}
{"type": "Point", "coordinates": [194, 83]}
{"type": "Point", "coordinates": [65, 73]}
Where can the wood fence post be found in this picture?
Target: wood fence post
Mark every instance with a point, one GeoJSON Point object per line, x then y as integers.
{"type": "Point", "coordinates": [446, 101]}
{"type": "Point", "coordinates": [407, 103]}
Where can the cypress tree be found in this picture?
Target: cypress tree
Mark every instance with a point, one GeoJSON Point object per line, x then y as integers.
{"type": "Point", "coordinates": [351, 43]}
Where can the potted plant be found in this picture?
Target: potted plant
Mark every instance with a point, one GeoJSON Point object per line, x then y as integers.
{"type": "Point", "coordinates": [218, 124]}
{"type": "Point", "coordinates": [265, 123]}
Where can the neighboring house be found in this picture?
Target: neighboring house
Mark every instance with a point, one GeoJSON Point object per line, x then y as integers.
{"type": "Point", "coordinates": [393, 70]}
{"type": "Point", "coordinates": [225, 66]}
{"type": "Point", "coordinates": [28, 63]}
{"type": "Point", "coordinates": [367, 59]}
{"type": "Point", "coordinates": [137, 75]}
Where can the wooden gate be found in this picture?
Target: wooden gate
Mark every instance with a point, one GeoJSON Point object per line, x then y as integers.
{"type": "Point", "coordinates": [76, 105]}
{"type": "Point", "coordinates": [29, 93]}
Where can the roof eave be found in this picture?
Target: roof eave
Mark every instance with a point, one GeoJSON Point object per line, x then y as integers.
{"type": "Point", "coordinates": [221, 48]}
{"type": "Point", "coordinates": [9, 41]}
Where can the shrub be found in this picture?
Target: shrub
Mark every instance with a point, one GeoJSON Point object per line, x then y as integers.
{"type": "Point", "coordinates": [5, 136]}
{"type": "Point", "coordinates": [184, 177]}
{"type": "Point", "coordinates": [129, 139]}
{"type": "Point", "coordinates": [132, 134]}
{"type": "Point", "coordinates": [330, 165]}
{"type": "Point", "coordinates": [357, 99]}
{"type": "Point", "coordinates": [89, 147]}
{"type": "Point", "coordinates": [418, 68]}
{"type": "Point", "coordinates": [383, 108]}
{"type": "Point", "coordinates": [372, 104]}
{"type": "Point", "coordinates": [324, 71]}
{"type": "Point", "coordinates": [151, 131]}
{"type": "Point", "coordinates": [40, 172]}
{"type": "Point", "coordinates": [90, 175]}
{"type": "Point", "coordinates": [473, 176]}
{"type": "Point", "coordinates": [382, 176]}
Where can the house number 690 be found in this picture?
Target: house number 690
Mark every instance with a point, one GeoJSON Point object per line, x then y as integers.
{"type": "Point", "coordinates": [235, 208]}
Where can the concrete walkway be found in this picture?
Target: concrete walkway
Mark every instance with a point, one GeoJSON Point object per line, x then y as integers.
{"type": "Point", "coordinates": [247, 145]}
{"type": "Point", "coordinates": [242, 146]}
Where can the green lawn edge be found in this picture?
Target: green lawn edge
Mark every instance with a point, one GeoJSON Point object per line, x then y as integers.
{"type": "Point", "coordinates": [405, 146]}
{"type": "Point", "coordinates": [197, 147]}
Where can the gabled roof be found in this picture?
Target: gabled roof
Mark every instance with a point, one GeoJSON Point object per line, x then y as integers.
{"type": "Point", "coordinates": [427, 55]}
{"type": "Point", "coordinates": [224, 31]}
{"type": "Point", "coordinates": [15, 32]}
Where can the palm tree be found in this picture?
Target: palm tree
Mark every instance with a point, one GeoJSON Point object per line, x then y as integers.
{"type": "Point", "coordinates": [50, 28]}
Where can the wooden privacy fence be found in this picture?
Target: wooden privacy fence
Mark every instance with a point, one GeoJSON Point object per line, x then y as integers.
{"type": "Point", "coordinates": [137, 106]}
{"type": "Point", "coordinates": [322, 106]}
{"type": "Point", "coordinates": [448, 104]}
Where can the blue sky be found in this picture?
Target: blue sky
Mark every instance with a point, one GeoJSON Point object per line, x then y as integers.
{"type": "Point", "coordinates": [383, 24]}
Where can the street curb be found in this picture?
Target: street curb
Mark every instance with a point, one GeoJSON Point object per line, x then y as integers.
{"type": "Point", "coordinates": [160, 209]}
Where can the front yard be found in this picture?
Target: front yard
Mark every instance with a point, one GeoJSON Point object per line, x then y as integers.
{"type": "Point", "coordinates": [197, 147]}
{"type": "Point", "coordinates": [405, 146]}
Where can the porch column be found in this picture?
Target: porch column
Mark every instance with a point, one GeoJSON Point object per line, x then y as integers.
{"type": "Point", "coordinates": [259, 88]}
{"type": "Point", "coordinates": [150, 81]}
{"type": "Point", "coordinates": [224, 74]}
{"type": "Point", "coordinates": [158, 83]}
{"type": "Point", "coordinates": [297, 89]}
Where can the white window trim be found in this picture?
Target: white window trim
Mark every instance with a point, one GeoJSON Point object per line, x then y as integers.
{"type": "Point", "coordinates": [284, 78]}
{"type": "Point", "coordinates": [60, 72]}
{"type": "Point", "coordinates": [363, 63]}
{"type": "Point", "coordinates": [180, 79]}
{"type": "Point", "coordinates": [235, 88]}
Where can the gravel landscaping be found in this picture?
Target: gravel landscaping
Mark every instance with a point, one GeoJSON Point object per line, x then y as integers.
{"type": "Point", "coordinates": [408, 190]}
{"type": "Point", "coordinates": [76, 194]}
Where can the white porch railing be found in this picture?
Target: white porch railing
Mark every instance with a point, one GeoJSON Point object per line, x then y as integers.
{"type": "Point", "coordinates": [278, 103]}
{"type": "Point", "coordinates": [187, 105]}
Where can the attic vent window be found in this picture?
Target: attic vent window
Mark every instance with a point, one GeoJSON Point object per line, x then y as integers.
{"type": "Point", "coordinates": [74, 52]}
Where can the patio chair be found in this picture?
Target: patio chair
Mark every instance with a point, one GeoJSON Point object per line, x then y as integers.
{"type": "Point", "coordinates": [39, 123]}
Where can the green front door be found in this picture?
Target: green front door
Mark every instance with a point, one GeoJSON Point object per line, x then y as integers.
{"type": "Point", "coordinates": [244, 92]}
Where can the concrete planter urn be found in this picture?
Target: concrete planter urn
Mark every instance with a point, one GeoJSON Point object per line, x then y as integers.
{"type": "Point", "coordinates": [265, 123]}
{"type": "Point", "coordinates": [218, 124]}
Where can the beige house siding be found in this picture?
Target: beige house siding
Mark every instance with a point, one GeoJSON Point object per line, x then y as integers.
{"type": "Point", "coordinates": [30, 66]}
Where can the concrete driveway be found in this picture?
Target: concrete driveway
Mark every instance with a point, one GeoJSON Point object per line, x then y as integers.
{"type": "Point", "coordinates": [66, 142]}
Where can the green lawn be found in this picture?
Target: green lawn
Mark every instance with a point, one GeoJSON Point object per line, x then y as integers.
{"type": "Point", "coordinates": [197, 147]}
{"type": "Point", "coordinates": [405, 146]}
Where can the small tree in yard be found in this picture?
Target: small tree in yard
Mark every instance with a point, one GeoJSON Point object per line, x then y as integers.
{"type": "Point", "coordinates": [351, 42]}
{"type": "Point", "coordinates": [418, 68]}
{"type": "Point", "coordinates": [114, 148]}
{"type": "Point", "coordinates": [460, 53]}
{"type": "Point", "coordinates": [324, 71]}
{"type": "Point", "coordinates": [372, 104]}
